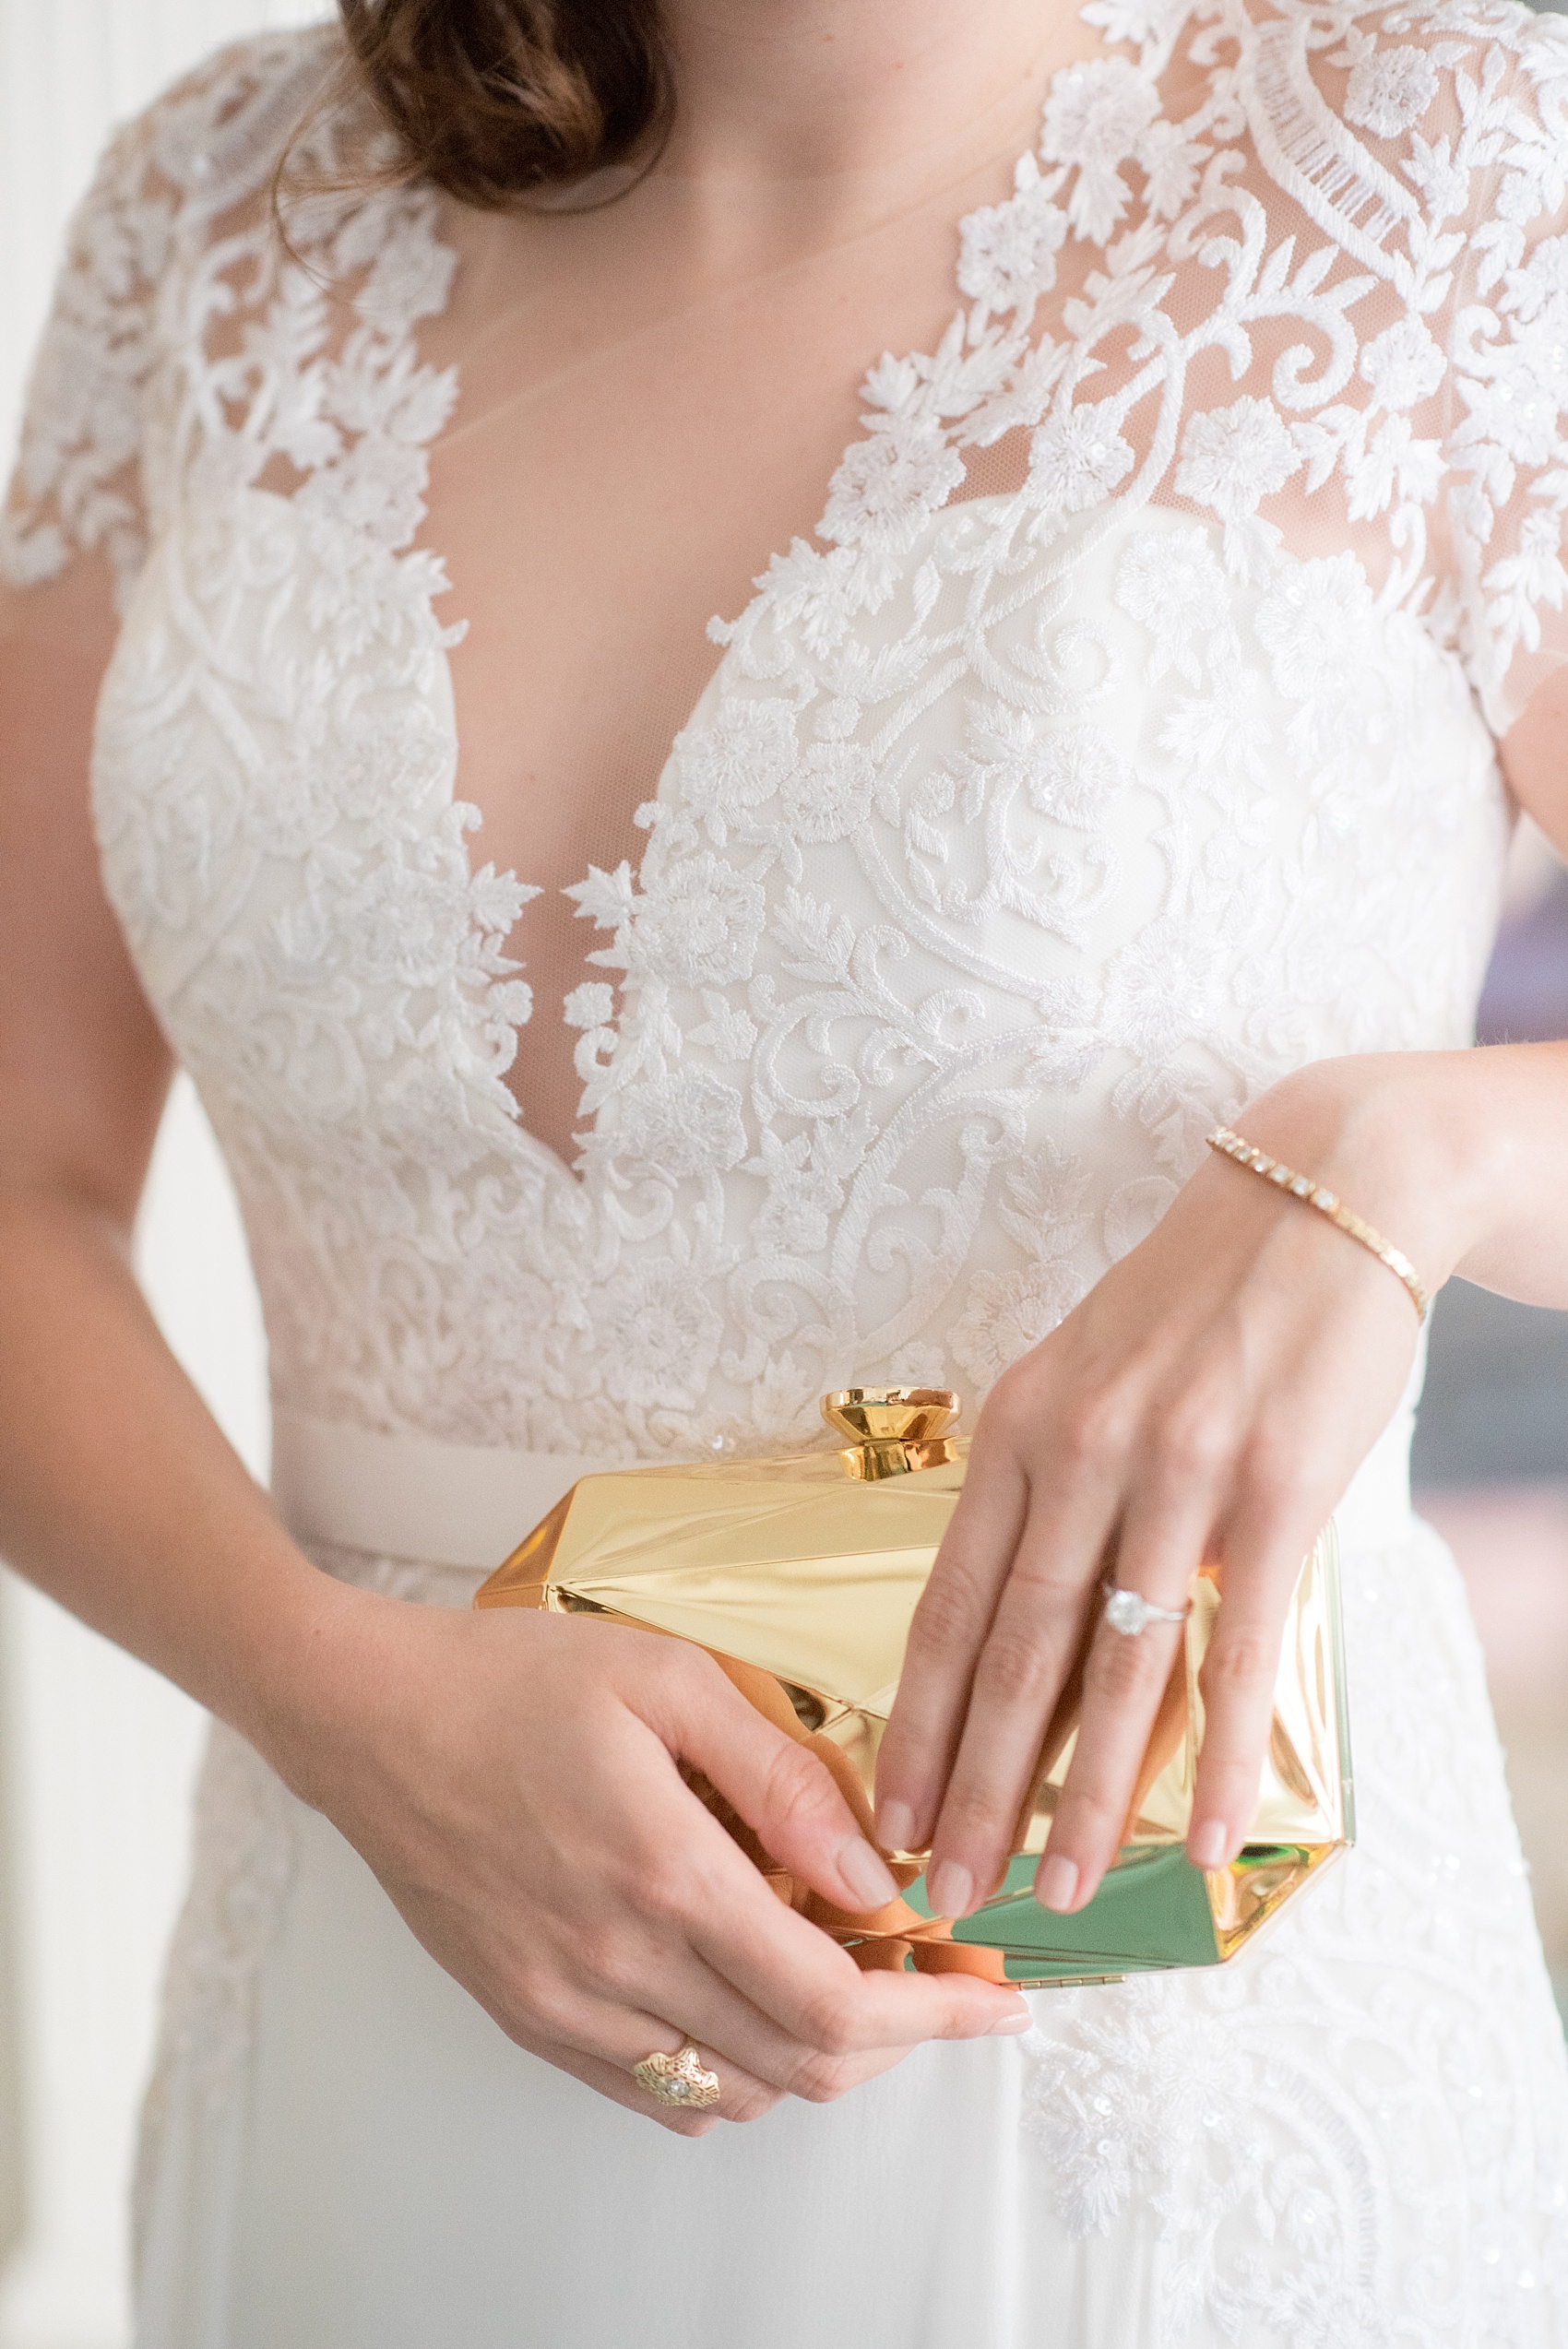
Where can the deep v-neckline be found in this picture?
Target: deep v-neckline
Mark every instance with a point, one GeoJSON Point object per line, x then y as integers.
{"type": "Point", "coordinates": [449, 261]}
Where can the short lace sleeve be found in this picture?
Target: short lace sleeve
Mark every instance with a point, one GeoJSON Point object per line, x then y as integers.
{"type": "Point", "coordinates": [82, 476]}
{"type": "Point", "coordinates": [78, 479]}
{"type": "Point", "coordinates": [1507, 448]}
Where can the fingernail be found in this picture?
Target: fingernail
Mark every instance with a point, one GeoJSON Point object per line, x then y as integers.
{"type": "Point", "coordinates": [1057, 1886]}
{"type": "Point", "coordinates": [894, 1826]}
{"type": "Point", "coordinates": [1011, 2024]}
{"type": "Point", "coordinates": [1209, 1845]}
{"type": "Point", "coordinates": [864, 1873]}
{"type": "Point", "coordinates": [949, 1889]}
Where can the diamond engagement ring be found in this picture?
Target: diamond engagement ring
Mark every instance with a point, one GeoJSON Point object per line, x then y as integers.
{"type": "Point", "coordinates": [1127, 1612]}
{"type": "Point", "coordinates": [678, 2080]}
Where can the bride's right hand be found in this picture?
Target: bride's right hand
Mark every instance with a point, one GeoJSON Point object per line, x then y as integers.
{"type": "Point", "coordinates": [512, 1780]}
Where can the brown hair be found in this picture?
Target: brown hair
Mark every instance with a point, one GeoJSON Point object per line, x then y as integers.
{"type": "Point", "coordinates": [493, 100]}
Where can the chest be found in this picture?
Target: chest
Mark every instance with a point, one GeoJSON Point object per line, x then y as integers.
{"type": "Point", "coordinates": [595, 457]}
{"type": "Point", "coordinates": [638, 428]}
{"type": "Point", "coordinates": [640, 425]}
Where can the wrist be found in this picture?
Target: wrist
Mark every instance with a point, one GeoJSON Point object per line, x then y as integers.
{"type": "Point", "coordinates": [320, 1651]}
{"type": "Point", "coordinates": [1403, 1138]}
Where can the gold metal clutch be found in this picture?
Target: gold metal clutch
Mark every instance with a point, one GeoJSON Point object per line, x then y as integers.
{"type": "Point", "coordinates": [799, 1574]}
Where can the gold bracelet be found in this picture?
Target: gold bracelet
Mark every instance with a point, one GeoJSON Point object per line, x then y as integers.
{"type": "Point", "coordinates": [1313, 1194]}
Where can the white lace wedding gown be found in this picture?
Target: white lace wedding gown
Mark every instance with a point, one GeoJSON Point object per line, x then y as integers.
{"type": "Point", "coordinates": [1123, 740]}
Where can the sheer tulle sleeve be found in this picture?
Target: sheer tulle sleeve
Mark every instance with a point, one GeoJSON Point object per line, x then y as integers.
{"type": "Point", "coordinates": [79, 478]}
{"type": "Point", "coordinates": [170, 194]}
{"type": "Point", "coordinates": [1507, 446]}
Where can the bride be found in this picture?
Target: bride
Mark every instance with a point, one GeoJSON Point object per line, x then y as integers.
{"type": "Point", "coordinates": [1123, 695]}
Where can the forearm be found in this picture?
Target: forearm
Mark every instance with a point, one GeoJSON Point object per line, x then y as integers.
{"type": "Point", "coordinates": [120, 1496]}
{"type": "Point", "coordinates": [1461, 1158]}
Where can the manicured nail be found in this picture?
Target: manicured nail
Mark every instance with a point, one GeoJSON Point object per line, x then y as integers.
{"type": "Point", "coordinates": [863, 1872]}
{"type": "Point", "coordinates": [894, 1826]}
{"type": "Point", "coordinates": [1011, 2024]}
{"type": "Point", "coordinates": [1057, 1887]}
{"type": "Point", "coordinates": [1209, 1845]}
{"type": "Point", "coordinates": [950, 1889]}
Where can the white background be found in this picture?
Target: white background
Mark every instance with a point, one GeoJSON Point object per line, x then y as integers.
{"type": "Point", "coordinates": [97, 1753]}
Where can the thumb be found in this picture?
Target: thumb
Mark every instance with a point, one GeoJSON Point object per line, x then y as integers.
{"type": "Point", "coordinates": [739, 1728]}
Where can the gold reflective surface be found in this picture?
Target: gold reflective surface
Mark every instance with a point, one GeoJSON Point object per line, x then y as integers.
{"type": "Point", "coordinates": [799, 1574]}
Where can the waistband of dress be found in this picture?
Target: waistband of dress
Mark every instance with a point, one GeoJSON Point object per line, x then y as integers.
{"type": "Point", "coordinates": [410, 1496]}
{"type": "Point", "coordinates": [469, 1505]}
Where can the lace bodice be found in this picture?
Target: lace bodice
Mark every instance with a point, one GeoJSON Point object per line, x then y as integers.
{"type": "Point", "coordinates": [1120, 742]}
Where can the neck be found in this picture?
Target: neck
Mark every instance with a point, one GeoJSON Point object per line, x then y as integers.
{"type": "Point", "coordinates": [825, 99]}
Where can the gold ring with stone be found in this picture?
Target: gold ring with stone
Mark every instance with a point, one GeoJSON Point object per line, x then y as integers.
{"type": "Point", "coordinates": [679, 2080]}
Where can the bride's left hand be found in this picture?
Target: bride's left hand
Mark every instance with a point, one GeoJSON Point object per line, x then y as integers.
{"type": "Point", "coordinates": [1210, 1399]}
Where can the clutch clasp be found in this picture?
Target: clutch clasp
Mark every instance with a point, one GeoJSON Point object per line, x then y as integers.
{"type": "Point", "coordinates": [893, 1431]}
